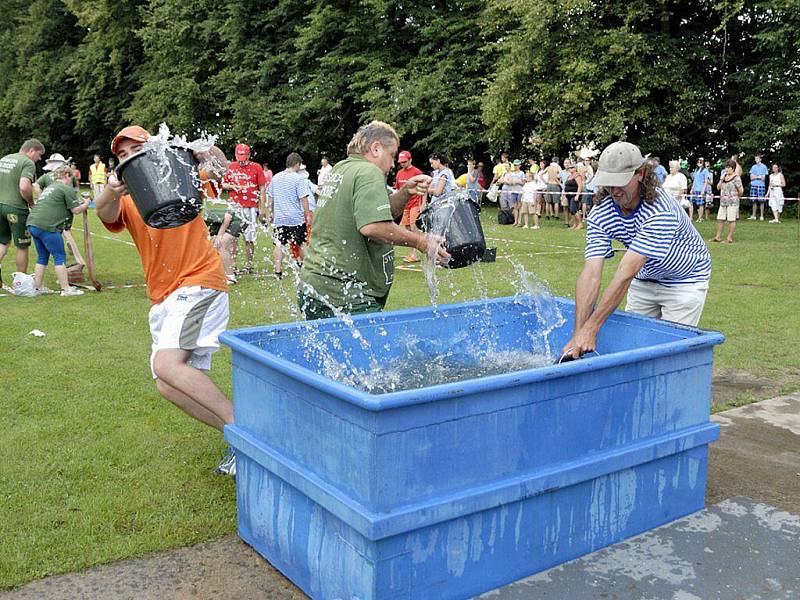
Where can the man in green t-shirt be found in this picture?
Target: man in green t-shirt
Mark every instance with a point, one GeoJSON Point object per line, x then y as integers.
{"type": "Point", "coordinates": [17, 174]}
{"type": "Point", "coordinates": [349, 266]}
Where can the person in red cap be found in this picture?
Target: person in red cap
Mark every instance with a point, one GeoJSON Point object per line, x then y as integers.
{"type": "Point", "coordinates": [246, 183]}
{"type": "Point", "coordinates": [188, 291]}
{"type": "Point", "coordinates": [411, 211]}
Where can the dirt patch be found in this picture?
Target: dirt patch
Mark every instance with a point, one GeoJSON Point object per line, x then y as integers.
{"type": "Point", "coordinates": [756, 458]}
{"type": "Point", "coordinates": [731, 387]}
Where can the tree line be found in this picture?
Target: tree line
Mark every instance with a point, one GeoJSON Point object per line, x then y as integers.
{"type": "Point", "coordinates": [465, 77]}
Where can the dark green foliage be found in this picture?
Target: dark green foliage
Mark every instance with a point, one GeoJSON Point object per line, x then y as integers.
{"type": "Point", "coordinates": [466, 77]}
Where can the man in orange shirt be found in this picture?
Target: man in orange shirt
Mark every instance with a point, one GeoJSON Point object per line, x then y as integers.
{"type": "Point", "coordinates": [188, 290]}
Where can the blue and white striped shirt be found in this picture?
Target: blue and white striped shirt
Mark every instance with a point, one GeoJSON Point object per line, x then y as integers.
{"type": "Point", "coordinates": [676, 254]}
{"type": "Point", "coordinates": [286, 189]}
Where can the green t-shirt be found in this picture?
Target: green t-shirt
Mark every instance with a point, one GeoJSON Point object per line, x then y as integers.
{"type": "Point", "coordinates": [44, 181]}
{"type": "Point", "coordinates": [341, 263]}
{"type": "Point", "coordinates": [215, 213]}
{"type": "Point", "coordinates": [53, 208]}
{"type": "Point", "coordinates": [14, 167]}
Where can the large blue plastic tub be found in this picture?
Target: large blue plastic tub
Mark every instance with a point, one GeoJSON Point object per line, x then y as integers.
{"type": "Point", "coordinates": [455, 489]}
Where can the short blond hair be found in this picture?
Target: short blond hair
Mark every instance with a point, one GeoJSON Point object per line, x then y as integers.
{"type": "Point", "coordinates": [375, 131]}
{"type": "Point", "coordinates": [63, 171]}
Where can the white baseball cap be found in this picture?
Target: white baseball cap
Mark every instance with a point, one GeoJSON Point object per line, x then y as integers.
{"type": "Point", "coordinates": [617, 164]}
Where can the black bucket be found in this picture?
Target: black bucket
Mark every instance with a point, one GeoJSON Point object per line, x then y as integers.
{"type": "Point", "coordinates": [167, 193]}
{"type": "Point", "coordinates": [458, 216]}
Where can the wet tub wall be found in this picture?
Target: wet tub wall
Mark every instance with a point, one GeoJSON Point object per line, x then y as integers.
{"type": "Point", "coordinates": [380, 473]}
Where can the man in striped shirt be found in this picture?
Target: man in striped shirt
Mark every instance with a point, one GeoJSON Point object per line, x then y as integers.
{"type": "Point", "coordinates": [666, 268]}
{"type": "Point", "coordinates": [287, 198]}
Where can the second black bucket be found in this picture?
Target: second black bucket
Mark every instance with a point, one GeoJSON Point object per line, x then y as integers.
{"type": "Point", "coordinates": [164, 191]}
{"type": "Point", "coordinates": [457, 217]}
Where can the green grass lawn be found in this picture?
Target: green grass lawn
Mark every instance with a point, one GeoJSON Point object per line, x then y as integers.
{"type": "Point", "coordinates": [97, 467]}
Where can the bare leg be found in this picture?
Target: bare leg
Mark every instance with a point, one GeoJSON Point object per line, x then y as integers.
{"type": "Point", "coordinates": [196, 394]}
{"type": "Point", "coordinates": [278, 256]}
{"type": "Point", "coordinates": [720, 225]}
{"type": "Point", "coordinates": [61, 276]}
{"type": "Point", "coordinates": [250, 249]}
{"type": "Point", "coordinates": [22, 260]}
{"type": "Point", "coordinates": [413, 254]}
{"type": "Point", "coordinates": [731, 229]}
{"type": "Point", "coordinates": [189, 406]}
{"type": "Point", "coordinates": [38, 275]}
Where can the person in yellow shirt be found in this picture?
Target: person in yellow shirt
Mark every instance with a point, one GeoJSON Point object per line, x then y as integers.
{"type": "Point", "coordinates": [97, 176]}
{"type": "Point", "coordinates": [501, 168]}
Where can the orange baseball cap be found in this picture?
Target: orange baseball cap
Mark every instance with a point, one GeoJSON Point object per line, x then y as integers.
{"type": "Point", "coordinates": [131, 132]}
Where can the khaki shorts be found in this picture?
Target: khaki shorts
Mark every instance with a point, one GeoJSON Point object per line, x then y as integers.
{"type": "Point", "coordinates": [728, 213]}
{"type": "Point", "coordinates": [677, 303]}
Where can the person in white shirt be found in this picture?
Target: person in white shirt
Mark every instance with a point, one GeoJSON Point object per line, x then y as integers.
{"type": "Point", "coordinates": [676, 184]}
{"type": "Point", "coordinates": [530, 204]}
{"type": "Point", "coordinates": [323, 172]}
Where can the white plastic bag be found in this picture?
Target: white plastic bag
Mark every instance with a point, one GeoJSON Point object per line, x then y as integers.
{"type": "Point", "coordinates": [494, 192]}
{"type": "Point", "coordinates": [23, 285]}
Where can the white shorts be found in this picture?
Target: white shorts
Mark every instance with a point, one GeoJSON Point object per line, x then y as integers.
{"type": "Point", "coordinates": [190, 318]}
{"type": "Point", "coordinates": [677, 303]}
{"type": "Point", "coordinates": [249, 214]}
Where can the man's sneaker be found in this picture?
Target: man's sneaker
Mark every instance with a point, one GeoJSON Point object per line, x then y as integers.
{"type": "Point", "coordinates": [751, 218]}
{"type": "Point", "coordinates": [43, 290]}
{"type": "Point", "coordinates": [72, 291]}
{"type": "Point", "coordinates": [227, 466]}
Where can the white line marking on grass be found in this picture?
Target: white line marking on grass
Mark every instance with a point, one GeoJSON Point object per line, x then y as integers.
{"type": "Point", "coordinates": [108, 237]}
{"type": "Point", "coordinates": [532, 243]}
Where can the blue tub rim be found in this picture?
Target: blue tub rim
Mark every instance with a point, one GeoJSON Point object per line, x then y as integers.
{"type": "Point", "coordinates": [702, 338]}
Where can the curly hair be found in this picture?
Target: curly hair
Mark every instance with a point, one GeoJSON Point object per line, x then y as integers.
{"type": "Point", "coordinates": [648, 188]}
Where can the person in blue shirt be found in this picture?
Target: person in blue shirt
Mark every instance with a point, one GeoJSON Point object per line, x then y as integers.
{"type": "Point", "coordinates": [698, 195]}
{"type": "Point", "coordinates": [666, 268]}
{"type": "Point", "coordinates": [758, 187]}
{"type": "Point", "coordinates": [661, 172]}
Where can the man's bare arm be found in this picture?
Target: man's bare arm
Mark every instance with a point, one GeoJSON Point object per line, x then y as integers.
{"type": "Point", "coordinates": [584, 338]}
{"type": "Point", "coordinates": [107, 205]}
{"type": "Point", "coordinates": [416, 186]}
{"type": "Point", "coordinates": [26, 190]}
{"type": "Point", "coordinates": [587, 289]}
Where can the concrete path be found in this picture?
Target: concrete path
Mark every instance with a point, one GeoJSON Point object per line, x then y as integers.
{"type": "Point", "coordinates": [738, 549]}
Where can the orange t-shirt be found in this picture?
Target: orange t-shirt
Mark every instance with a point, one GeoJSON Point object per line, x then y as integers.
{"type": "Point", "coordinates": [171, 258]}
{"type": "Point", "coordinates": [210, 186]}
